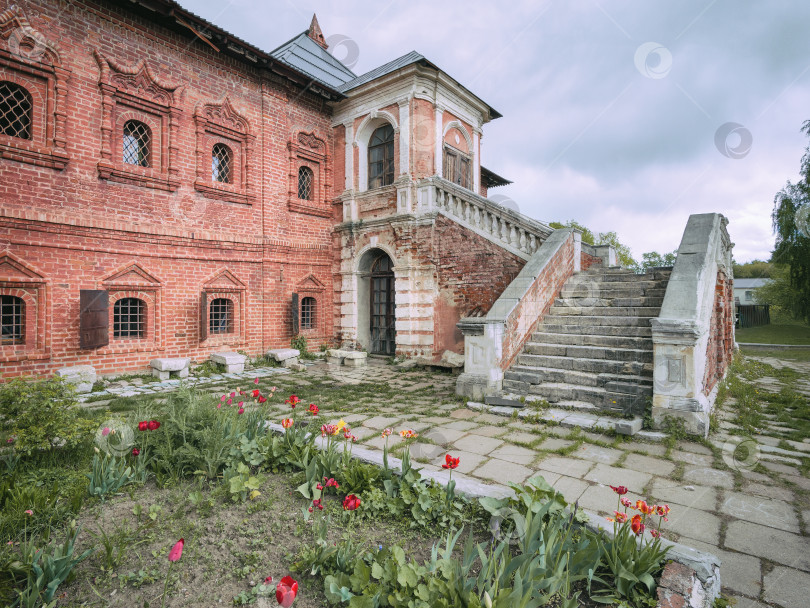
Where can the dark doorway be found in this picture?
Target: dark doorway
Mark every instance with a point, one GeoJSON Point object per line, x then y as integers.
{"type": "Point", "coordinates": [383, 333]}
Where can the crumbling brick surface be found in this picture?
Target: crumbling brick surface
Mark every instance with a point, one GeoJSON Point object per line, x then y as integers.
{"type": "Point", "coordinates": [721, 333]}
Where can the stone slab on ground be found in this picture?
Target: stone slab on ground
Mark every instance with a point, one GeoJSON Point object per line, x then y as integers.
{"type": "Point", "coordinates": [82, 377]}
{"type": "Point", "coordinates": [699, 497]}
{"type": "Point", "coordinates": [503, 472]}
{"type": "Point", "coordinates": [690, 458]}
{"type": "Point", "coordinates": [463, 414]}
{"type": "Point", "coordinates": [570, 487]}
{"type": "Point", "coordinates": [738, 572]}
{"type": "Point", "coordinates": [778, 546]}
{"type": "Point", "coordinates": [694, 524]}
{"type": "Point", "coordinates": [283, 354]}
{"type": "Point", "coordinates": [696, 448]}
{"type": "Point", "coordinates": [477, 444]}
{"type": "Point", "coordinates": [607, 475]}
{"type": "Point", "coordinates": [234, 362]}
{"type": "Point", "coordinates": [489, 431]}
{"type": "Point", "coordinates": [648, 464]}
{"type": "Point", "coordinates": [554, 443]}
{"type": "Point", "coordinates": [706, 476]}
{"type": "Point", "coordinates": [521, 437]}
{"type": "Point", "coordinates": [460, 425]}
{"type": "Point", "coordinates": [468, 462]}
{"type": "Point", "coordinates": [598, 454]}
{"type": "Point", "coordinates": [768, 512]}
{"type": "Point", "coordinates": [565, 466]}
{"type": "Point", "coordinates": [599, 499]}
{"type": "Point", "coordinates": [787, 587]}
{"type": "Point", "coordinates": [515, 454]}
{"type": "Point", "coordinates": [652, 449]}
{"type": "Point", "coordinates": [380, 422]}
{"type": "Point", "coordinates": [442, 436]}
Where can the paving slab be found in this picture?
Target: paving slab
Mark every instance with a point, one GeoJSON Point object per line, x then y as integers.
{"type": "Point", "coordinates": [477, 444]}
{"type": "Point", "coordinates": [503, 471]}
{"type": "Point", "coordinates": [521, 437]}
{"type": "Point", "coordinates": [698, 497]}
{"type": "Point", "coordinates": [489, 431]}
{"type": "Point", "coordinates": [752, 476]}
{"type": "Point", "coordinates": [615, 476]}
{"type": "Point", "coordinates": [800, 481]}
{"type": "Point", "coordinates": [648, 464]}
{"type": "Point", "coordinates": [553, 443]}
{"type": "Point", "coordinates": [599, 499]}
{"type": "Point", "coordinates": [653, 449]}
{"type": "Point", "coordinates": [464, 414]}
{"type": "Point", "coordinates": [694, 524]}
{"type": "Point", "coordinates": [778, 467]}
{"type": "Point", "coordinates": [769, 512]}
{"type": "Point", "coordinates": [565, 466]}
{"type": "Point", "coordinates": [739, 573]}
{"type": "Point", "coordinates": [706, 476]}
{"type": "Point", "coordinates": [380, 422]}
{"type": "Point", "coordinates": [514, 453]}
{"type": "Point", "coordinates": [698, 460]}
{"type": "Point", "coordinates": [594, 453]}
{"type": "Point", "coordinates": [776, 545]}
{"type": "Point", "coordinates": [378, 442]}
{"type": "Point", "coordinates": [467, 464]}
{"type": "Point", "coordinates": [570, 487]}
{"type": "Point", "coordinates": [442, 436]}
{"type": "Point", "coordinates": [461, 425]}
{"type": "Point", "coordinates": [777, 492]}
{"type": "Point", "coordinates": [787, 587]}
{"type": "Point", "coordinates": [696, 448]}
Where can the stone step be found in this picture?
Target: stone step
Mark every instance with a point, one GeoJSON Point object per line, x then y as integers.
{"type": "Point", "coordinates": [615, 352]}
{"type": "Point", "coordinates": [606, 398]}
{"type": "Point", "coordinates": [539, 375]}
{"type": "Point", "coordinates": [610, 292]}
{"type": "Point", "coordinates": [603, 310]}
{"type": "Point", "coordinates": [631, 367]}
{"type": "Point", "coordinates": [616, 281]}
{"type": "Point", "coordinates": [598, 320]}
{"type": "Point", "coordinates": [636, 302]}
{"type": "Point", "coordinates": [551, 325]}
{"type": "Point", "coordinates": [543, 335]}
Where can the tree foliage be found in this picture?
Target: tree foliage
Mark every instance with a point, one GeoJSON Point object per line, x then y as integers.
{"type": "Point", "coordinates": [755, 269]}
{"type": "Point", "coordinates": [793, 237]}
{"type": "Point", "coordinates": [623, 253]}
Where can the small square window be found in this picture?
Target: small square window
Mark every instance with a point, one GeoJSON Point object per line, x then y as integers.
{"type": "Point", "coordinates": [220, 316]}
{"type": "Point", "coordinates": [137, 139]}
{"type": "Point", "coordinates": [12, 320]}
{"type": "Point", "coordinates": [129, 318]}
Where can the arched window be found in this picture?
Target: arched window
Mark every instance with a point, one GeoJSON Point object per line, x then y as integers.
{"type": "Point", "coordinates": [15, 110]}
{"type": "Point", "coordinates": [305, 182]}
{"type": "Point", "coordinates": [137, 143]}
{"type": "Point", "coordinates": [221, 160]}
{"type": "Point", "coordinates": [220, 316]}
{"type": "Point", "coordinates": [381, 157]}
{"type": "Point", "coordinates": [308, 313]}
{"type": "Point", "coordinates": [129, 318]}
{"type": "Point", "coordinates": [12, 320]}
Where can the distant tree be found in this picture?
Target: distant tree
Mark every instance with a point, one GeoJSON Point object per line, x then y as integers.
{"type": "Point", "coordinates": [756, 269]}
{"type": "Point", "coordinates": [623, 253]}
{"type": "Point", "coordinates": [778, 292]}
{"type": "Point", "coordinates": [792, 239]}
{"type": "Point", "coordinates": [653, 259]}
{"type": "Point", "coordinates": [587, 235]}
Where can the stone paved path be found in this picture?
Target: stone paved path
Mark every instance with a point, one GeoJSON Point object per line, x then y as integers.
{"type": "Point", "coordinates": [754, 516]}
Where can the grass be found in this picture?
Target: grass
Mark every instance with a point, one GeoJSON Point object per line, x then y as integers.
{"type": "Point", "coordinates": [789, 354]}
{"type": "Point", "coordinates": [782, 333]}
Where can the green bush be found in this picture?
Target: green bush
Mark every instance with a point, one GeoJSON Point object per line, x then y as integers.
{"type": "Point", "coordinates": [41, 415]}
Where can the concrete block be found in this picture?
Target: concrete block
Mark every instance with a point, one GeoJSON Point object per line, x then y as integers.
{"type": "Point", "coordinates": [234, 362]}
{"type": "Point", "coordinates": [82, 377]}
{"type": "Point", "coordinates": [283, 354]}
{"type": "Point", "coordinates": [170, 365]}
{"type": "Point", "coordinates": [628, 427]}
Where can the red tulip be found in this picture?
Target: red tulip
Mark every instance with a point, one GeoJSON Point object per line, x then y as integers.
{"type": "Point", "coordinates": [153, 425]}
{"type": "Point", "coordinates": [314, 409]}
{"type": "Point", "coordinates": [351, 502]}
{"type": "Point", "coordinates": [229, 401]}
{"type": "Point", "coordinates": [177, 551]}
{"type": "Point", "coordinates": [256, 381]}
{"type": "Point", "coordinates": [286, 590]}
{"type": "Point", "coordinates": [654, 533]}
{"type": "Point", "coordinates": [620, 490]}
{"type": "Point", "coordinates": [241, 410]}
{"type": "Point", "coordinates": [620, 517]}
{"type": "Point", "coordinates": [293, 401]}
{"type": "Point", "coordinates": [143, 426]}
{"type": "Point", "coordinates": [269, 579]}
{"type": "Point", "coordinates": [256, 393]}
{"type": "Point", "coordinates": [636, 525]}
{"type": "Point", "coordinates": [233, 394]}
{"type": "Point", "coordinates": [136, 452]}
{"type": "Point", "coordinates": [450, 462]}
{"type": "Point", "coordinates": [262, 399]}
{"type": "Point", "coordinates": [626, 503]}
{"type": "Point", "coordinates": [223, 398]}
{"type": "Point", "coordinates": [287, 423]}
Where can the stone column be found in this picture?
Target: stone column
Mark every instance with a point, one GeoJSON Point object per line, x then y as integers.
{"type": "Point", "coordinates": [404, 136]}
{"type": "Point", "coordinates": [476, 160]}
{"type": "Point", "coordinates": [438, 146]}
{"type": "Point", "coordinates": [349, 126]}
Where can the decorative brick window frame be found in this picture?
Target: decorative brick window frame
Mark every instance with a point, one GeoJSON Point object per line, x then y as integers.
{"type": "Point", "coordinates": [309, 149]}
{"type": "Point", "coordinates": [23, 281]}
{"type": "Point", "coordinates": [310, 287]}
{"type": "Point", "coordinates": [132, 281]}
{"type": "Point", "coordinates": [222, 124]}
{"type": "Point", "coordinates": [134, 93]}
{"type": "Point", "coordinates": [31, 61]}
{"type": "Point", "coordinates": [224, 284]}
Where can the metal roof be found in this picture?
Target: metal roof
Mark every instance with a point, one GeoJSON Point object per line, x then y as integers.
{"type": "Point", "coordinates": [750, 283]}
{"type": "Point", "coordinates": [399, 63]}
{"type": "Point", "coordinates": [305, 55]}
{"type": "Point", "coordinates": [492, 179]}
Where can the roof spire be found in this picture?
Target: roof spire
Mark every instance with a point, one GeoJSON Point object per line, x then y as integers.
{"type": "Point", "coordinates": [315, 32]}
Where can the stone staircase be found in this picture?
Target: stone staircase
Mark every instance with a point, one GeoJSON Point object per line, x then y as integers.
{"type": "Point", "coordinates": [593, 350]}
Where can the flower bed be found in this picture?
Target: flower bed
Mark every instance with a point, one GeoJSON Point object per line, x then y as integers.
{"type": "Point", "coordinates": [522, 550]}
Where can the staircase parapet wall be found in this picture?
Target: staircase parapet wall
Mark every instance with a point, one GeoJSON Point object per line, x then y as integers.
{"type": "Point", "coordinates": [493, 341]}
{"type": "Point", "coordinates": [510, 229]}
{"type": "Point", "coordinates": [694, 324]}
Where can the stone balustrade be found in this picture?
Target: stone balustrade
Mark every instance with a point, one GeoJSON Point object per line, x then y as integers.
{"type": "Point", "coordinates": [511, 230]}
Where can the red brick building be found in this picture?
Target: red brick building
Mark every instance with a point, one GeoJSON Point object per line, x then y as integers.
{"type": "Point", "coordinates": [170, 190]}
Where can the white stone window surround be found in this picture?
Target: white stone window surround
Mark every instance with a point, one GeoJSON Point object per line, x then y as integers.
{"type": "Point", "coordinates": [374, 120]}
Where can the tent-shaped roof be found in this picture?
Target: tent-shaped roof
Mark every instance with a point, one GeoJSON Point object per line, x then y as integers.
{"type": "Point", "coordinates": [305, 55]}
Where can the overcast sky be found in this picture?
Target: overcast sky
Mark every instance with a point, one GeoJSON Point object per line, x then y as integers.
{"type": "Point", "coordinates": [616, 114]}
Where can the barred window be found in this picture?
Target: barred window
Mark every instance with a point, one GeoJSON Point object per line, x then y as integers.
{"type": "Point", "coordinates": [381, 157]}
{"type": "Point", "coordinates": [137, 143]}
{"type": "Point", "coordinates": [16, 108]}
{"type": "Point", "coordinates": [308, 313]}
{"type": "Point", "coordinates": [220, 316]}
{"type": "Point", "coordinates": [12, 320]}
{"type": "Point", "coordinates": [305, 180]}
{"type": "Point", "coordinates": [129, 318]}
{"type": "Point", "coordinates": [221, 160]}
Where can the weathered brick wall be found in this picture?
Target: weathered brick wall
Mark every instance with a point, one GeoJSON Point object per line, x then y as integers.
{"type": "Point", "coordinates": [721, 333]}
{"type": "Point", "coordinates": [588, 260]}
{"type": "Point", "coordinates": [74, 229]}
{"type": "Point", "coordinates": [472, 272]}
{"type": "Point", "coordinates": [538, 299]}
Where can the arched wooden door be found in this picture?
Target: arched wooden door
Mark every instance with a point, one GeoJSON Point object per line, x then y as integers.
{"type": "Point", "coordinates": [383, 332]}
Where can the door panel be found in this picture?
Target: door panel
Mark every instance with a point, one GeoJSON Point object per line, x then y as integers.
{"type": "Point", "coordinates": [383, 333]}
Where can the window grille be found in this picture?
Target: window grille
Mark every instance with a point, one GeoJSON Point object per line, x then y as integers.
{"type": "Point", "coordinates": [15, 110]}
{"type": "Point", "coordinates": [137, 142]}
{"type": "Point", "coordinates": [12, 320]}
{"type": "Point", "coordinates": [221, 160]}
{"type": "Point", "coordinates": [129, 318]}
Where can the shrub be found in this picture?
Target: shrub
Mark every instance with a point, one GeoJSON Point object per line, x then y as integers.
{"type": "Point", "coordinates": [41, 415]}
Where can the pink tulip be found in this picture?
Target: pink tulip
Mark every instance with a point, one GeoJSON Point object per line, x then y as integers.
{"type": "Point", "coordinates": [177, 551]}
